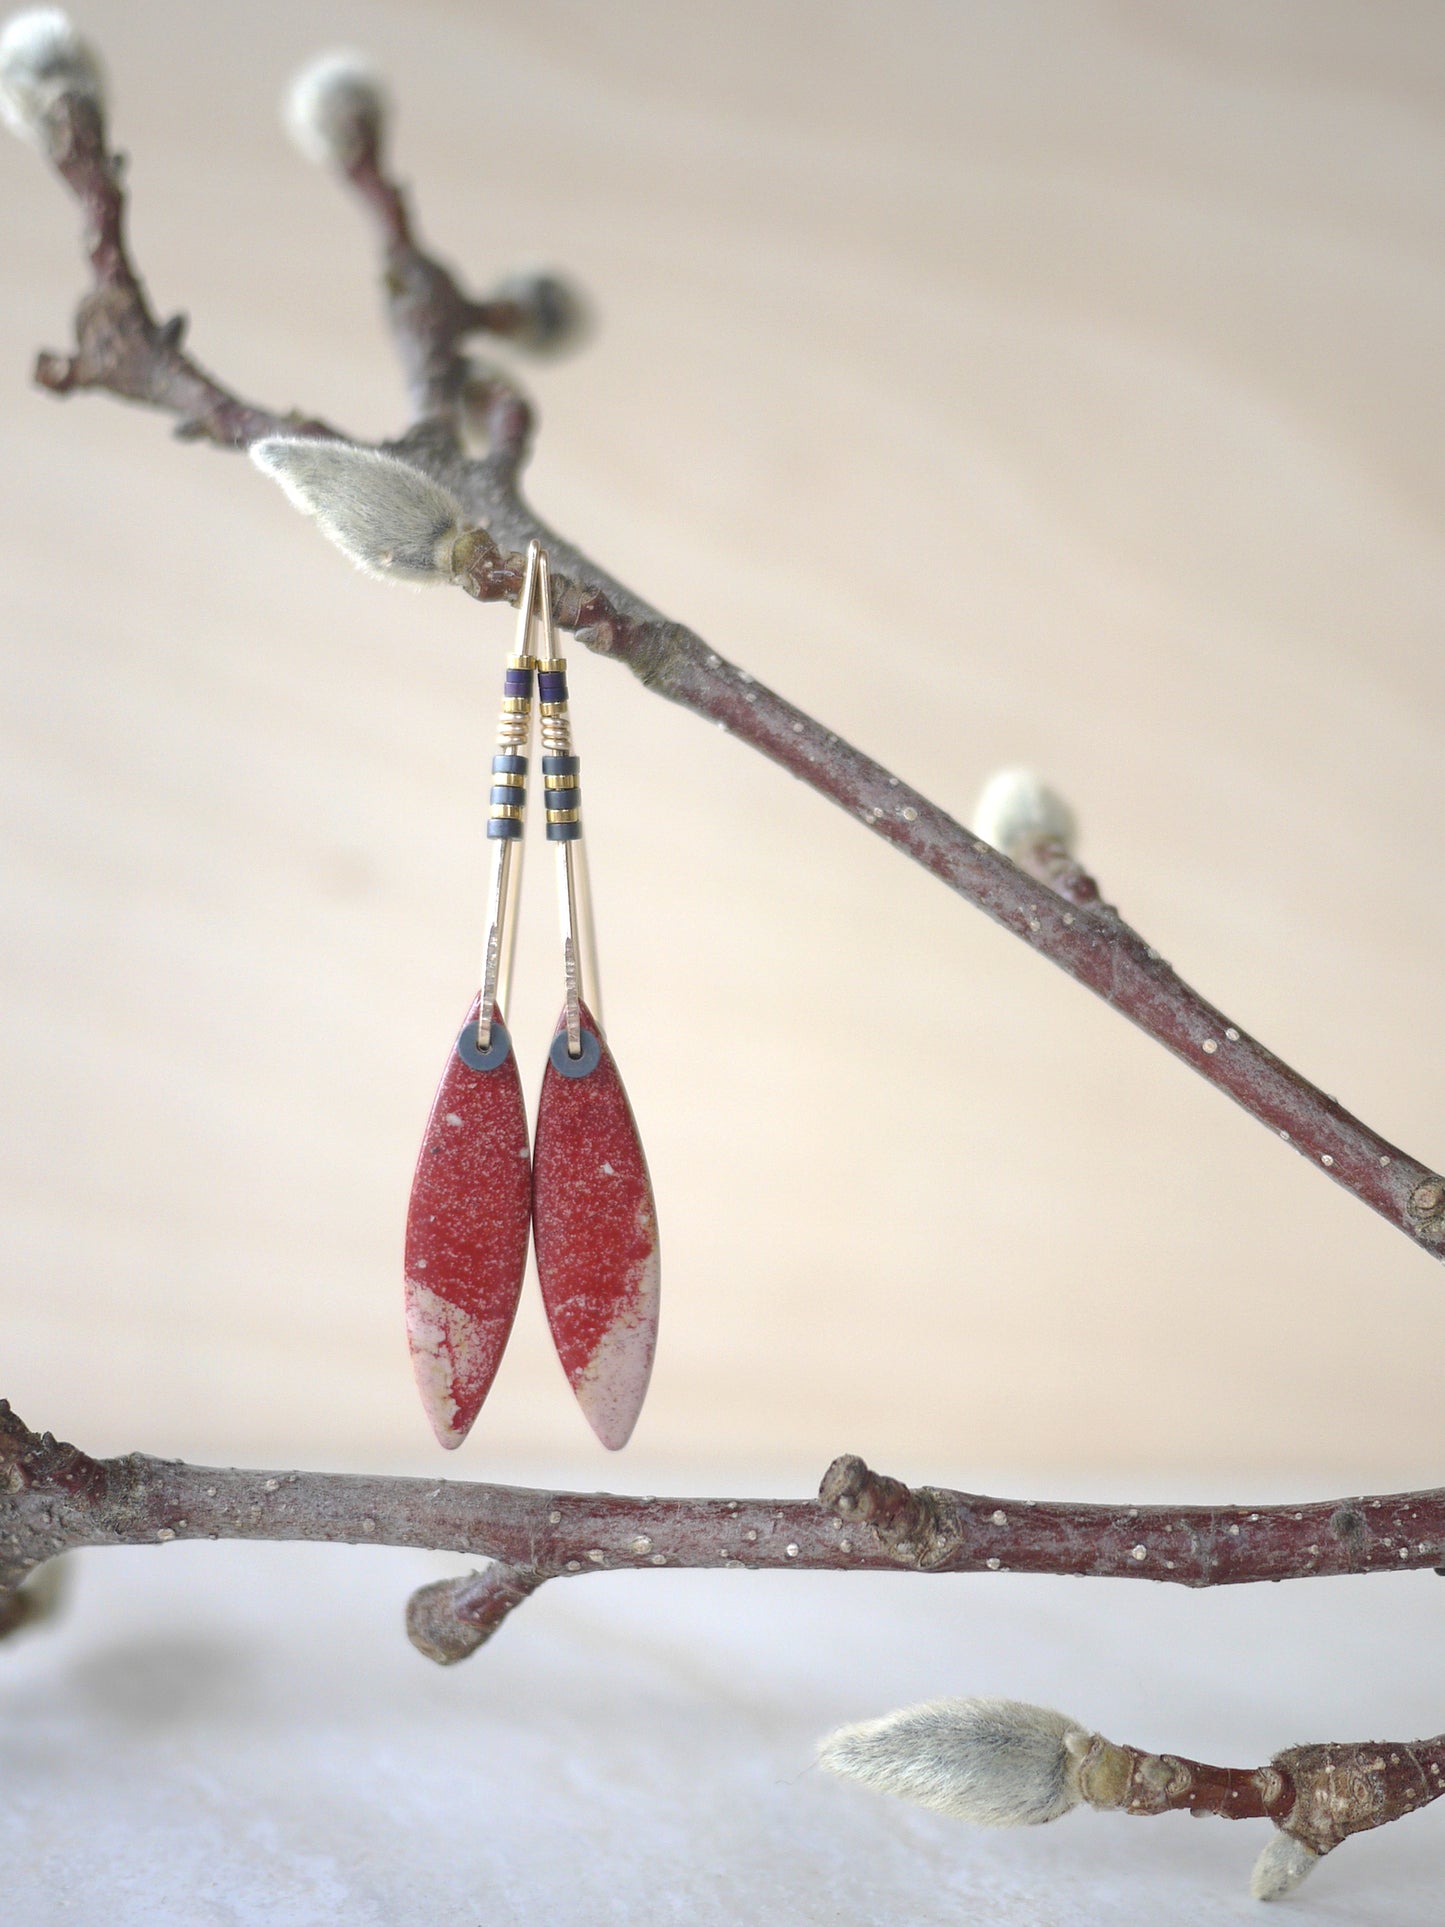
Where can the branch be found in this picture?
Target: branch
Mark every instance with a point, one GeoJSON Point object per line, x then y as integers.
{"type": "Point", "coordinates": [120, 345]}
{"type": "Point", "coordinates": [1002, 1763]}
{"type": "Point", "coordinates": [1056, 911]}
{"type": "Point", "coordinates": [935, 1530]}
{"type": "Point", "coordinates": [123, 349]}
{"type": "Point", "coordinates": [54, 1498]}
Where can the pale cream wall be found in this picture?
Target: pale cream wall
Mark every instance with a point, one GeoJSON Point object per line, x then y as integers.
{"type": "Point", "coordinates": [1013, 381]}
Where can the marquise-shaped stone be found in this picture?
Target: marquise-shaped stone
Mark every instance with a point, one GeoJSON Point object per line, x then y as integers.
{"type": "Point", "coordinates": [466, 1230]}
{"type": "Point", "coordinates": [595, 1228]}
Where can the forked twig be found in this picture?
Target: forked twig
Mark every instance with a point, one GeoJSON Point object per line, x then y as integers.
{"type": "Point", "coordinates": [1053, 908]}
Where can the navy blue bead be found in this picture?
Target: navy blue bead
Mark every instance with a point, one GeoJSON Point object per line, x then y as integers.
{"type": "Point", "coordinates": [561, 799]}
{"type": "Point", "coordinates": [561, 765]}
{"type": "Point", "coordinates": [509, 766]}
{"type": "Point", "coordinates": [563, 832]}
{"type": "Point", "coordinates": [519, 682]}
{"type": "Point", "coordinates": [552, 685]}
{"type": "Point", "coordinates": [502, 794]}
{"type": "Point", "coordinates": [499, 828]}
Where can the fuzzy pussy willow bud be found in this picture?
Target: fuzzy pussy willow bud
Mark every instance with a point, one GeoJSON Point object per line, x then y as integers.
{"type": "Point", "coordinates": [334, 109]}
{"type": "Point", "coordinates": [998, 1763]}
{"type": "Point", "coordinates": [389, 518]}
{"type": "Point", "coordinates": [42, 60]}
{"type": "Point", "coordinates": [1016, 810]}
{"type": "Point", "coordinates": [551, 315]}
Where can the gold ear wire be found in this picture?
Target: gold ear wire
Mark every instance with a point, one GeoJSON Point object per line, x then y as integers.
{"type": "Point", "coordinates": [506, 816]}
{"type": "Point", "coordinates": [562, 796]}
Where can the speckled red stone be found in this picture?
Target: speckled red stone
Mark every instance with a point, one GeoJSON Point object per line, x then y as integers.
{"type": "Point", "coordinates": [595, 1228]}
{"type": "Point", "coordinates": [466, 1238]}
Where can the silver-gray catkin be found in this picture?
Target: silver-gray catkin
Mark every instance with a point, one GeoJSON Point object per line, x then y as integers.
{"type": "Point", "coordinates": [42, 59]}
{"type": "Point", "coordinates": [998, 1763]}
{"type": "Point", "coordinates": [1015, 809]}
{"type": "Point", "coordinates": [389, 518]}
{"type": "Point", "coordinates": [333, 108]}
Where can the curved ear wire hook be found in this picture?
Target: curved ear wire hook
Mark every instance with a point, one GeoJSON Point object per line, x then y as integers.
{"type": "Point", "coordinates": [507, 813]}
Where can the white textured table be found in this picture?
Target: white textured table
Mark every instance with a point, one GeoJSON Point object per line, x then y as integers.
{"type": "Point", "coordinates": [224, 1735]}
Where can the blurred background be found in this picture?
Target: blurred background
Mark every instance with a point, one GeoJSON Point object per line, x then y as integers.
{"type": "Point", "coordinates": [1010, 382]}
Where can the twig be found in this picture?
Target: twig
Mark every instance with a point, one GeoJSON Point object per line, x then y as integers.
{"type": "Point", "coordinates": [123, 349]}
{"type": "Point", "coordinates": [1003, 1763]}
{"type": "Point", "coordinates": [120, 346]}
{"type": "Point", "coordinates": [937, 1530]}
{"type": "Point", "coordinates": [54, 1499]}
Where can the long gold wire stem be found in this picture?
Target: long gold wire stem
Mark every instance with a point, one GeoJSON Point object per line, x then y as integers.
{"type": "Point", "coordinates": [507, 813]}
{"type": "Point", "coordinates": [564, 821]}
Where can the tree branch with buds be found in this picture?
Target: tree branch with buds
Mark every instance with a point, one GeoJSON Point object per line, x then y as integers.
{"type": "Point", "coordinates": [481, 523]}
{"type": "Point", "coordinates": [422, 509]}
{"type": "Point", "coordinates": [991, 1762]}
{"type": "Point", "coordinates": [1001, 1763]}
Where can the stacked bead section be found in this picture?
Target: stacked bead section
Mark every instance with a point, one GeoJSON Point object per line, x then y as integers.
{"type": "Point", "coordinates": [509, 765]}
{"type": "Point", "coordinates": [561, 770]}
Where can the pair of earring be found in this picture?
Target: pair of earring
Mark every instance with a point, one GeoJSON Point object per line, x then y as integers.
{"type": "Point", "coordinates": [583, 1190]}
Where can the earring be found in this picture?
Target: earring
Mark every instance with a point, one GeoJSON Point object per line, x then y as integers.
{"type": "Point", "coordinates": [589, 1198]}
{"type": "Point", "coordinates": [594, 1222]}
{"type": "Point", "coordinates": [471, 1197]}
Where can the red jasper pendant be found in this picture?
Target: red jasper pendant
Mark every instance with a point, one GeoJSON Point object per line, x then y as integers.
{"type": "Point", "coordinates": [466, 1229]}
{"type": "Point", "coordinates": [595, 1227]}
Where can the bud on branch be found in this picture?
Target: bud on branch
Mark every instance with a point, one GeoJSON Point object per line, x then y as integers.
{"type": "Point", "coordinates": [334, 110]}
{"type": "Point", "coordinates": [392, 521]}
{"type": "Point", "coordinates": [43, 63]}
{"type": "Point", "coordinates": [1002, 1763]}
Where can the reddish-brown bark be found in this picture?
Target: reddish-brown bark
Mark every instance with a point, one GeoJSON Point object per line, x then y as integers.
{"type": "Point", "coordinates": [1318, 1794]}
{"type": "Point", "coordinates": [54, 1498]}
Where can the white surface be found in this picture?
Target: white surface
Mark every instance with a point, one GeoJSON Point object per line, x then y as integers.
{"type": "Point", "coordinates": [232, 1736]}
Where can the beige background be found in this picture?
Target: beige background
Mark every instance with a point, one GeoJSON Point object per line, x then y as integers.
{"type": "Point", "coordinates": [1004, 382]}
